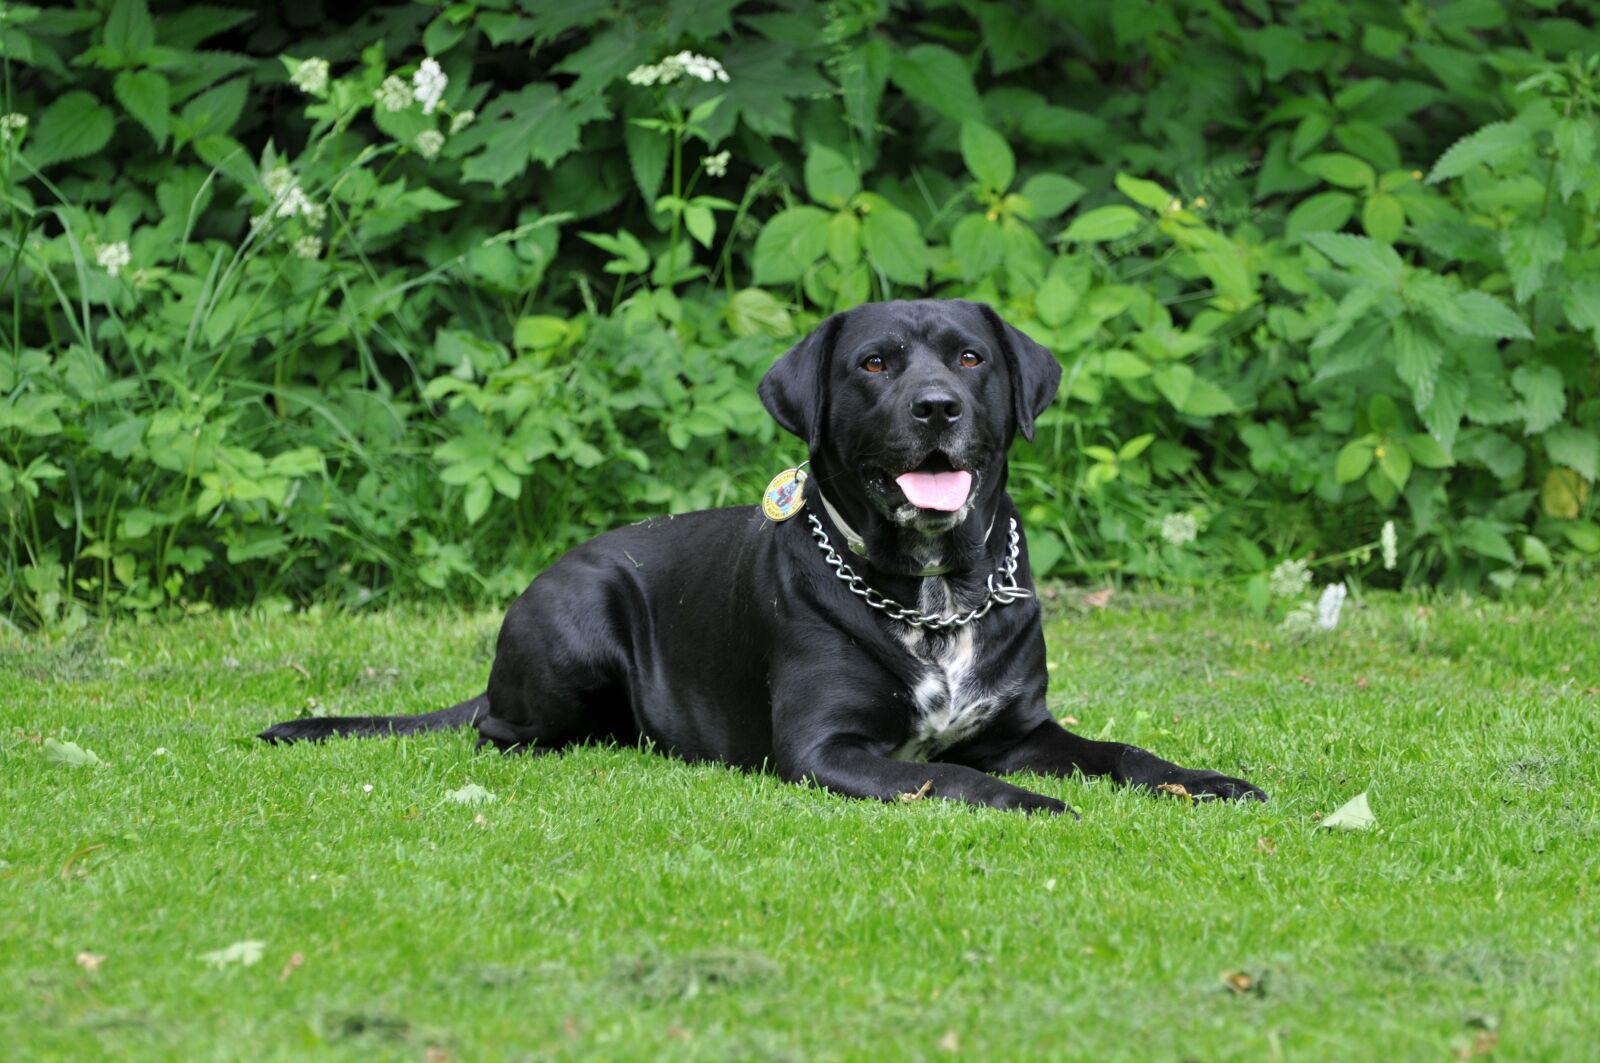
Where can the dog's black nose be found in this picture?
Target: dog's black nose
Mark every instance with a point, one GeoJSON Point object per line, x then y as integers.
{"type": "Point", "coordinates": [936, 408]}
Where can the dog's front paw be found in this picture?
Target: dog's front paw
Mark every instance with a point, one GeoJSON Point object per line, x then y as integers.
{"type": "Point", "coordinates": [1205, 785]}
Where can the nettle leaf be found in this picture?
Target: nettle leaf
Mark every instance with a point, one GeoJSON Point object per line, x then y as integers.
{"type": "Point", "coordinates": [831, 179]}
{"type": "Point", "coordinates": [894, 245]}
{"type": "Point", "coordinates": [1575, 144]}
{"type": "Point", "coordinates": [129, 29]}
{"type": "Point", "coordinates": [988, 156]}
{"type": "Point", "coordinates": [1529, 251]}
{"type": "Point", "coordinates": [1486, 540]}
{"type": "Point", "coordinates": [1481, 314]}
{"type": "Point", "coordinates": [1323, 212]}
{"type": "Point", "coordinates": [1544, 399]}
{"type": "Point", "coordinates": [1049, 194]}
{"type": "Point", "coordinates": [789, 243]}
{"type": "Point", "coordinates": [1418, 354]}
{"type": "Point", "coordinates": [1576, 448]}
{"type": "Point", "coordinates": [75, 125]}
{"type": "Point", "coordinates": [647, 158]}
{"type": "Point", "coordinates": [535, 123]}
{"type": "Point", "coordinates": [1581, 303]}
{"type": "Point", "coordinates": [1190, 393]}
{"type": "Point", "coordinates": [1491, 144]}
{"type": "Point", "coordinates": [146, 96]}
{"type": "Point", "coordinates": [1428, 452]}
{"type": "Point", "coordinates": [1103, 223]}
{"type": "Point", "coordinates": [936, 77]}
{"type": "Point", "coordinates": [1364, 257]}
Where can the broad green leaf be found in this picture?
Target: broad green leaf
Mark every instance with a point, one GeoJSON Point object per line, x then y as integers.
{"type": "Point", "coordinates": [1543, 393]}
{"type": "Point", "coordinates": [75, 125]}
{"type": "Point", "coordinates": [1103, 223]}
{"type": "Point", "coordinates": [1050, 194]}
{"type": "Point", "coordinates": [1323, 212]}
{"type": "Point", "coordinates": [988, 156]}
{"type": "Point", "coordinates": [1336, 168]}
{"type": "Point", "coordinates": [70, 753]}
{"type": "Point", "coordinates": [1563, 494]}
{"type": "Point", "coordinates": [1575, 143]}
{"type": "Point", "coordinates": [129, 30]}
{"type": "Point", "coordinates": [1354, 814]}
{"type": "Point", "coordinates": [831, 179]}
{"type": "Point", "coordinates": [1581, 303]}
{"type": "Point", "coordinates": [145, 95]}
{"type": "Point", "coordinates": [1383, 217]}
{"type": "Point", "coordinates": [1147, 194]}
{"type": "Point", "coordinates": [1055, 300]}
{"type": "Point", "coordinates": [1395, 461]}
{"type": "Point", "coordinates": [1364, 257]}
{"type": "Point", "coordinates": [1499, 455]}
{"type": "Point", "coordinates": [534, 123]}
{"type": "Point", "coordinates": [701, 223]}
{"type": "Point", "coordinates": [476, 501]}
{"type": "Point", "coordinates": [1481, 314]}
{"type": "Point", "coordinates": [1530, 250]}
{"type": "Point", "coordinates": [214, 111]}
{"type": "Point", "coordinates": [934, 76]}
{"type": "Point", "coordinates": [844, 238]}
{"type": "Point", "coordinates": [1190, 393]}
{"type": "Point", "coordinates": [648, 151]}
{"type": "Point", "coordinates": [789, 243]}
{"type": "Point", "coordinates": [1427, 452]}
{"type": "Point", "coordinates": [1045, 549]}
{"type": "Point", "coordinates": [1536, 553]}
{"type": "Point", "coordinates": [1418, 355]}
{"type": "Point", "coordinates": [1124, 364]}
{"type": "Point", "coordinates": [1491, 144]}
{"type": "Point", "coordinates": [539, 332]}
{"type": "Point", "coordinates": [1486, 540]}
{"type": "Point", "coordinates": [754, 311]}
{"type": "Point", "coordinates": [894, 245]}
{"type": "Point", "coordinates": [1576, 448]}
{"type": "Point", "coordinates": [978, 246]}
{"type": "Point", "coordinates": [1355, 458]}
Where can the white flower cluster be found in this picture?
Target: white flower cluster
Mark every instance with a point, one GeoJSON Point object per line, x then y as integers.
{"type": "Point", "coordinates": [461, 120]}
{"type": "Point", "coordinates": [112, 257]}
{"type": "Point", "coordinates": [1306, 619]}
{"type": "Point", "coordinates": [394, 94]}
{"type": "Point", "coordinates": [717, 165]}
{"type": "Point", "coordinates": [11, 127]}
{"type": "Point", "coordinates": [308, 247]}
{"type": "Point", "coordinates": [429, 83]}
{"type": "Point", "coordinates": [311, 77]}
{"type": "Point", "coordinates": [1290, 578]}
{"type": "Point", "coordinates": [673, 67]}
{"type": "Point", "coordinates": [289, 199]}
{"type": "Point", "coordinates": [1179, 528]}
{"type": "Point", "coordinates": [428, 143]}
{"type": "Point", "coordinates": [1390, 541]}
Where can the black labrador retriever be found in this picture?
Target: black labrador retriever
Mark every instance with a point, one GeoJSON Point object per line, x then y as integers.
{"type": "Point", "coordinates": [883, 641]}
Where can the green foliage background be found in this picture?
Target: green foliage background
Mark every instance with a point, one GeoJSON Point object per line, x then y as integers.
{"type": "Point", "coordinates": [1309, 267]}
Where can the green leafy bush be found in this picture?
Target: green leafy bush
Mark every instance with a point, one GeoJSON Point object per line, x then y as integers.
{"type": "Point", "coordinates": [408, 301]}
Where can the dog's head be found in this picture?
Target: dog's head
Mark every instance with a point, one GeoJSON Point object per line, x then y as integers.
{"type": "Point", "coordinates": [908, 408]}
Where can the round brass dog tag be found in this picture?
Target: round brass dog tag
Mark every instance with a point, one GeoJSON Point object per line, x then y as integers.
{"type": "Point", "coordinates": [783, 498]}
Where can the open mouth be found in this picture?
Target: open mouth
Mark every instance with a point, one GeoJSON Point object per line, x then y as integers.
{"type": "Point", "coordinates": [936, 484]}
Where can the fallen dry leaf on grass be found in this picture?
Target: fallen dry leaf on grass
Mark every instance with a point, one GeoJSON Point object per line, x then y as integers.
{"type": "Point", "coordinates": [1071, 721]}
{"type": "Point", "coordinates": [1238, 981]}
{"type": "Point", "coordinates": [950, 1042]}
{"type": "Point", "coordinates": [292, 966]}
{"type": "Point", "coordinates": [89, 961]}
{"type": "Point", "coordinates": [1099, 599]}
{"type": "Point", "coordinates": [922, 791]}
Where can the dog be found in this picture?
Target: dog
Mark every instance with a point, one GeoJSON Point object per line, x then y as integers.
{"type": "Point", "coordinates": [884, 640]}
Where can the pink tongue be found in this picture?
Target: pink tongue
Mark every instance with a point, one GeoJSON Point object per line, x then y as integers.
{"type": "Point", "coordinates": [936, 490]}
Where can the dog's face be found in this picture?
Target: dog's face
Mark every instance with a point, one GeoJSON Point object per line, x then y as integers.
{"type": "Point", "coordinates": [912, 406]}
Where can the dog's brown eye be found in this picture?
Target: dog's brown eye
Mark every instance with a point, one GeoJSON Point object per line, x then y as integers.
{"type": "Point", "coordinates": [971, 359]}
{"type": "Point", "coordinates": [874, 364]}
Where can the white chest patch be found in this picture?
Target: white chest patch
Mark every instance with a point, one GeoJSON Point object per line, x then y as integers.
{"type": "Point", "coordinates": [949, 702]}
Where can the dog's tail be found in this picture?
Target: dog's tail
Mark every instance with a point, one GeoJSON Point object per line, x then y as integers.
{"type": "Point", "coordinates": [316, 729]}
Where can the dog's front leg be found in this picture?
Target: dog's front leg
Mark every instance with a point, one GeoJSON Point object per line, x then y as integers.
{"type": "Point", "coordinates": [851, 769]}
{"type": "Point", "coordinates": [1050, 749]}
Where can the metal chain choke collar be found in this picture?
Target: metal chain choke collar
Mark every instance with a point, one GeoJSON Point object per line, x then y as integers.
{"type": "Point", "coordinates": [1003, 593]}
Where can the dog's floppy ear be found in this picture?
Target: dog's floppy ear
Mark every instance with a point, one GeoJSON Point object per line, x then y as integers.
{"type": "Point", "coordinates": [1035, 373]}
{"type": "Point", "coordinates": [792, 390]}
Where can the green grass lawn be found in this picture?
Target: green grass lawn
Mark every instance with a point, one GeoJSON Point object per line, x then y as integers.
{"type": "Point", "coordinates": [614, 904]}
